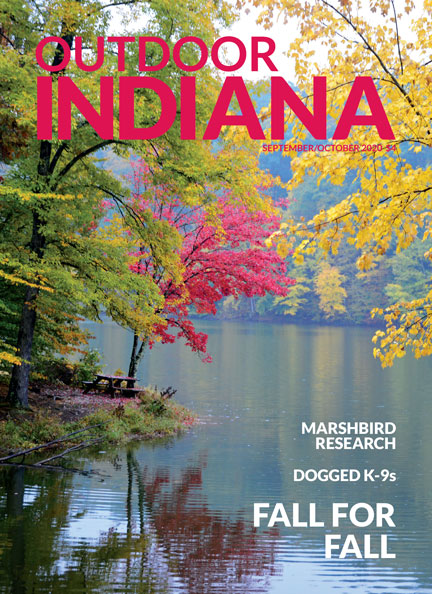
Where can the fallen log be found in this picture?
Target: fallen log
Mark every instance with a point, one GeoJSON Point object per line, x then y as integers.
{"type": "Point", "coordinates": [80, 446]}
{"type": "Point", "coordinates": [57, 468]}
{"type": "Point", "coordinates": [49, 443]}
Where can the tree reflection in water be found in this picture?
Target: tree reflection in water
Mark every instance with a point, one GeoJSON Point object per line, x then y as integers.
{"type": "Point", "coordinates": [207, 550]}
{"type": "Point", "coordinates": [172, 541]}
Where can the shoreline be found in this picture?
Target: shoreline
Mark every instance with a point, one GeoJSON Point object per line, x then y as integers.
{"type": "Point", "coordinates": [57, 411]}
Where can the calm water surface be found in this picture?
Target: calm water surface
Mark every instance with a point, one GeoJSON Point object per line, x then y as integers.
{"type": "Point", "coordinates": [176, 516]}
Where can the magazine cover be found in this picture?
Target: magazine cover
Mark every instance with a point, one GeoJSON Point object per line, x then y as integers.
{"type": "Point", "coordinates": [215, 296]}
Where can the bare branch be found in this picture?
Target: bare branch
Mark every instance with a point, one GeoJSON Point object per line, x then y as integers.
{"type": "Point", "coordinates": [88, 151]}
{"type": "Point", "coordinates": [7, 38]}
{"type": "Point", "coordinates": [124, 3]}
{"type": "Point", "coordinates": [397, 36]}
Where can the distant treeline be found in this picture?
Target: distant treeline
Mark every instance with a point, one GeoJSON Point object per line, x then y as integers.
{"type": "Point", "coordinates": [331, 290]}
{"type": "Point", "coordinates": [334, 290]}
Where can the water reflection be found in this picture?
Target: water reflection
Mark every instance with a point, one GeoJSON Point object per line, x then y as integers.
{"type": "Point", "coordinates": [35, 511]}
{"type": "Point", "coordinates": [168, 538]}
{"type": "Point", "coordinates": [176, 516]}
{"type": "Point", "coordinates": [207, 550]}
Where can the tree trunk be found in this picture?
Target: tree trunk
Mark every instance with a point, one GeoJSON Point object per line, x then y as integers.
{"type": "Point", "coordinates": [136, 354]}
{"type": "Point", "coordinates": [18, 387]}
{"type": "Point", "coordinates": [251, 307]}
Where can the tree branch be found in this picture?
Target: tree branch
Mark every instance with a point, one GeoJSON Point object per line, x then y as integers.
{"type": "Point", "coordinates": [375, 53]}
{"type": "Point", "coordinates": [88, 151]}
{"type": "Point", "coordinates": [397, 36]}
{"type": "Point", "coordinates": [80, 446]}
{"type": "Point", "coordinates": [124, 3]}
{"type": "Point", "coordinates": [355, 211]}
{"type": "Point", "coordinates": [7, 38]}
{"type": "Point", "coordinates": [56, 157]}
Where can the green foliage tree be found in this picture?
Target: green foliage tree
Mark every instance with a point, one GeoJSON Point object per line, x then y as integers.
{"type": "Point", "coordinates": [295, 298]}
{"type": "Point", "coordinates": [410, 273]}
{"type": "Point", "coordinates": [56, 247]}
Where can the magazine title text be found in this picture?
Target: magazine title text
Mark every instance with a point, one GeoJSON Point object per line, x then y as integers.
{"type": "Point", "coordinates": [183, 107]}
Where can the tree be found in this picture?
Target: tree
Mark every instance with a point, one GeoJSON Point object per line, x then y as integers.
{"type": "Point", "coordinates": [81, 271]}
{"type": "Point", "coordinates": [328, 286]}
{"type": "Point", "coordinates": [48, 177]}
{"type": "Point", "coordinates": [392, 206]}
{"type": "Point", "coordinates": [410, 272]}
{"type": "Point", "coordinates": [222, 254]}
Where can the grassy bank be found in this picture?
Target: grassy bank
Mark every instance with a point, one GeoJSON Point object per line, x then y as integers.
{"type": "Point", "coordinates": [55, 413]}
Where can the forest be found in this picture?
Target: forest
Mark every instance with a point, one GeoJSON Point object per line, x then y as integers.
{"type": "Point", "coordinates": [329, 289]}
{"type": "Point", "coordinates": [150, 232]}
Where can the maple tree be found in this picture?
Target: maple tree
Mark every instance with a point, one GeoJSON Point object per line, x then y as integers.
{"type": "Point", "coordinates": [53, 180]}
{"type": "Point", "coordinates": [391, 207]}
{"type": "Point", "coordinates": [221, 254]}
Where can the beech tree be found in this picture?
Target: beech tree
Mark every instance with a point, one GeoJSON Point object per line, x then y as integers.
{"type": "Point", "coordinates": [52, 179]}
{"type": "Point", "coordinates": [390, 42]}
{"type": "Point", "coordinates": [222, 254]}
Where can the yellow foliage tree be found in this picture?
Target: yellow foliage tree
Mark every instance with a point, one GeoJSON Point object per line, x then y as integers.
{"type": "Point", "coordinates": [328, 287]}
{"type": "Point", "coordinates": [295, 298]}
{"type": "Point", "coordinates": [390, 42]}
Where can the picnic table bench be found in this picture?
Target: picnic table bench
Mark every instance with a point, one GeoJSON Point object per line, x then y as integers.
{"type": "Point", "coordinates": [110, 384]}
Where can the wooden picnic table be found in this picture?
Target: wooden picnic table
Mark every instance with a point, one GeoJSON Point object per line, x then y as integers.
{"type": "Point", "coordinates": [112, 383]}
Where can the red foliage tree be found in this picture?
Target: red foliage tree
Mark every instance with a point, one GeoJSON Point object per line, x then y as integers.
{"type": "Point", "coordinates": [221, 255]}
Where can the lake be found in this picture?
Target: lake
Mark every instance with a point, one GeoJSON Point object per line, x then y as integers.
{"type": "Point", "coordinates": [176, 516]}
